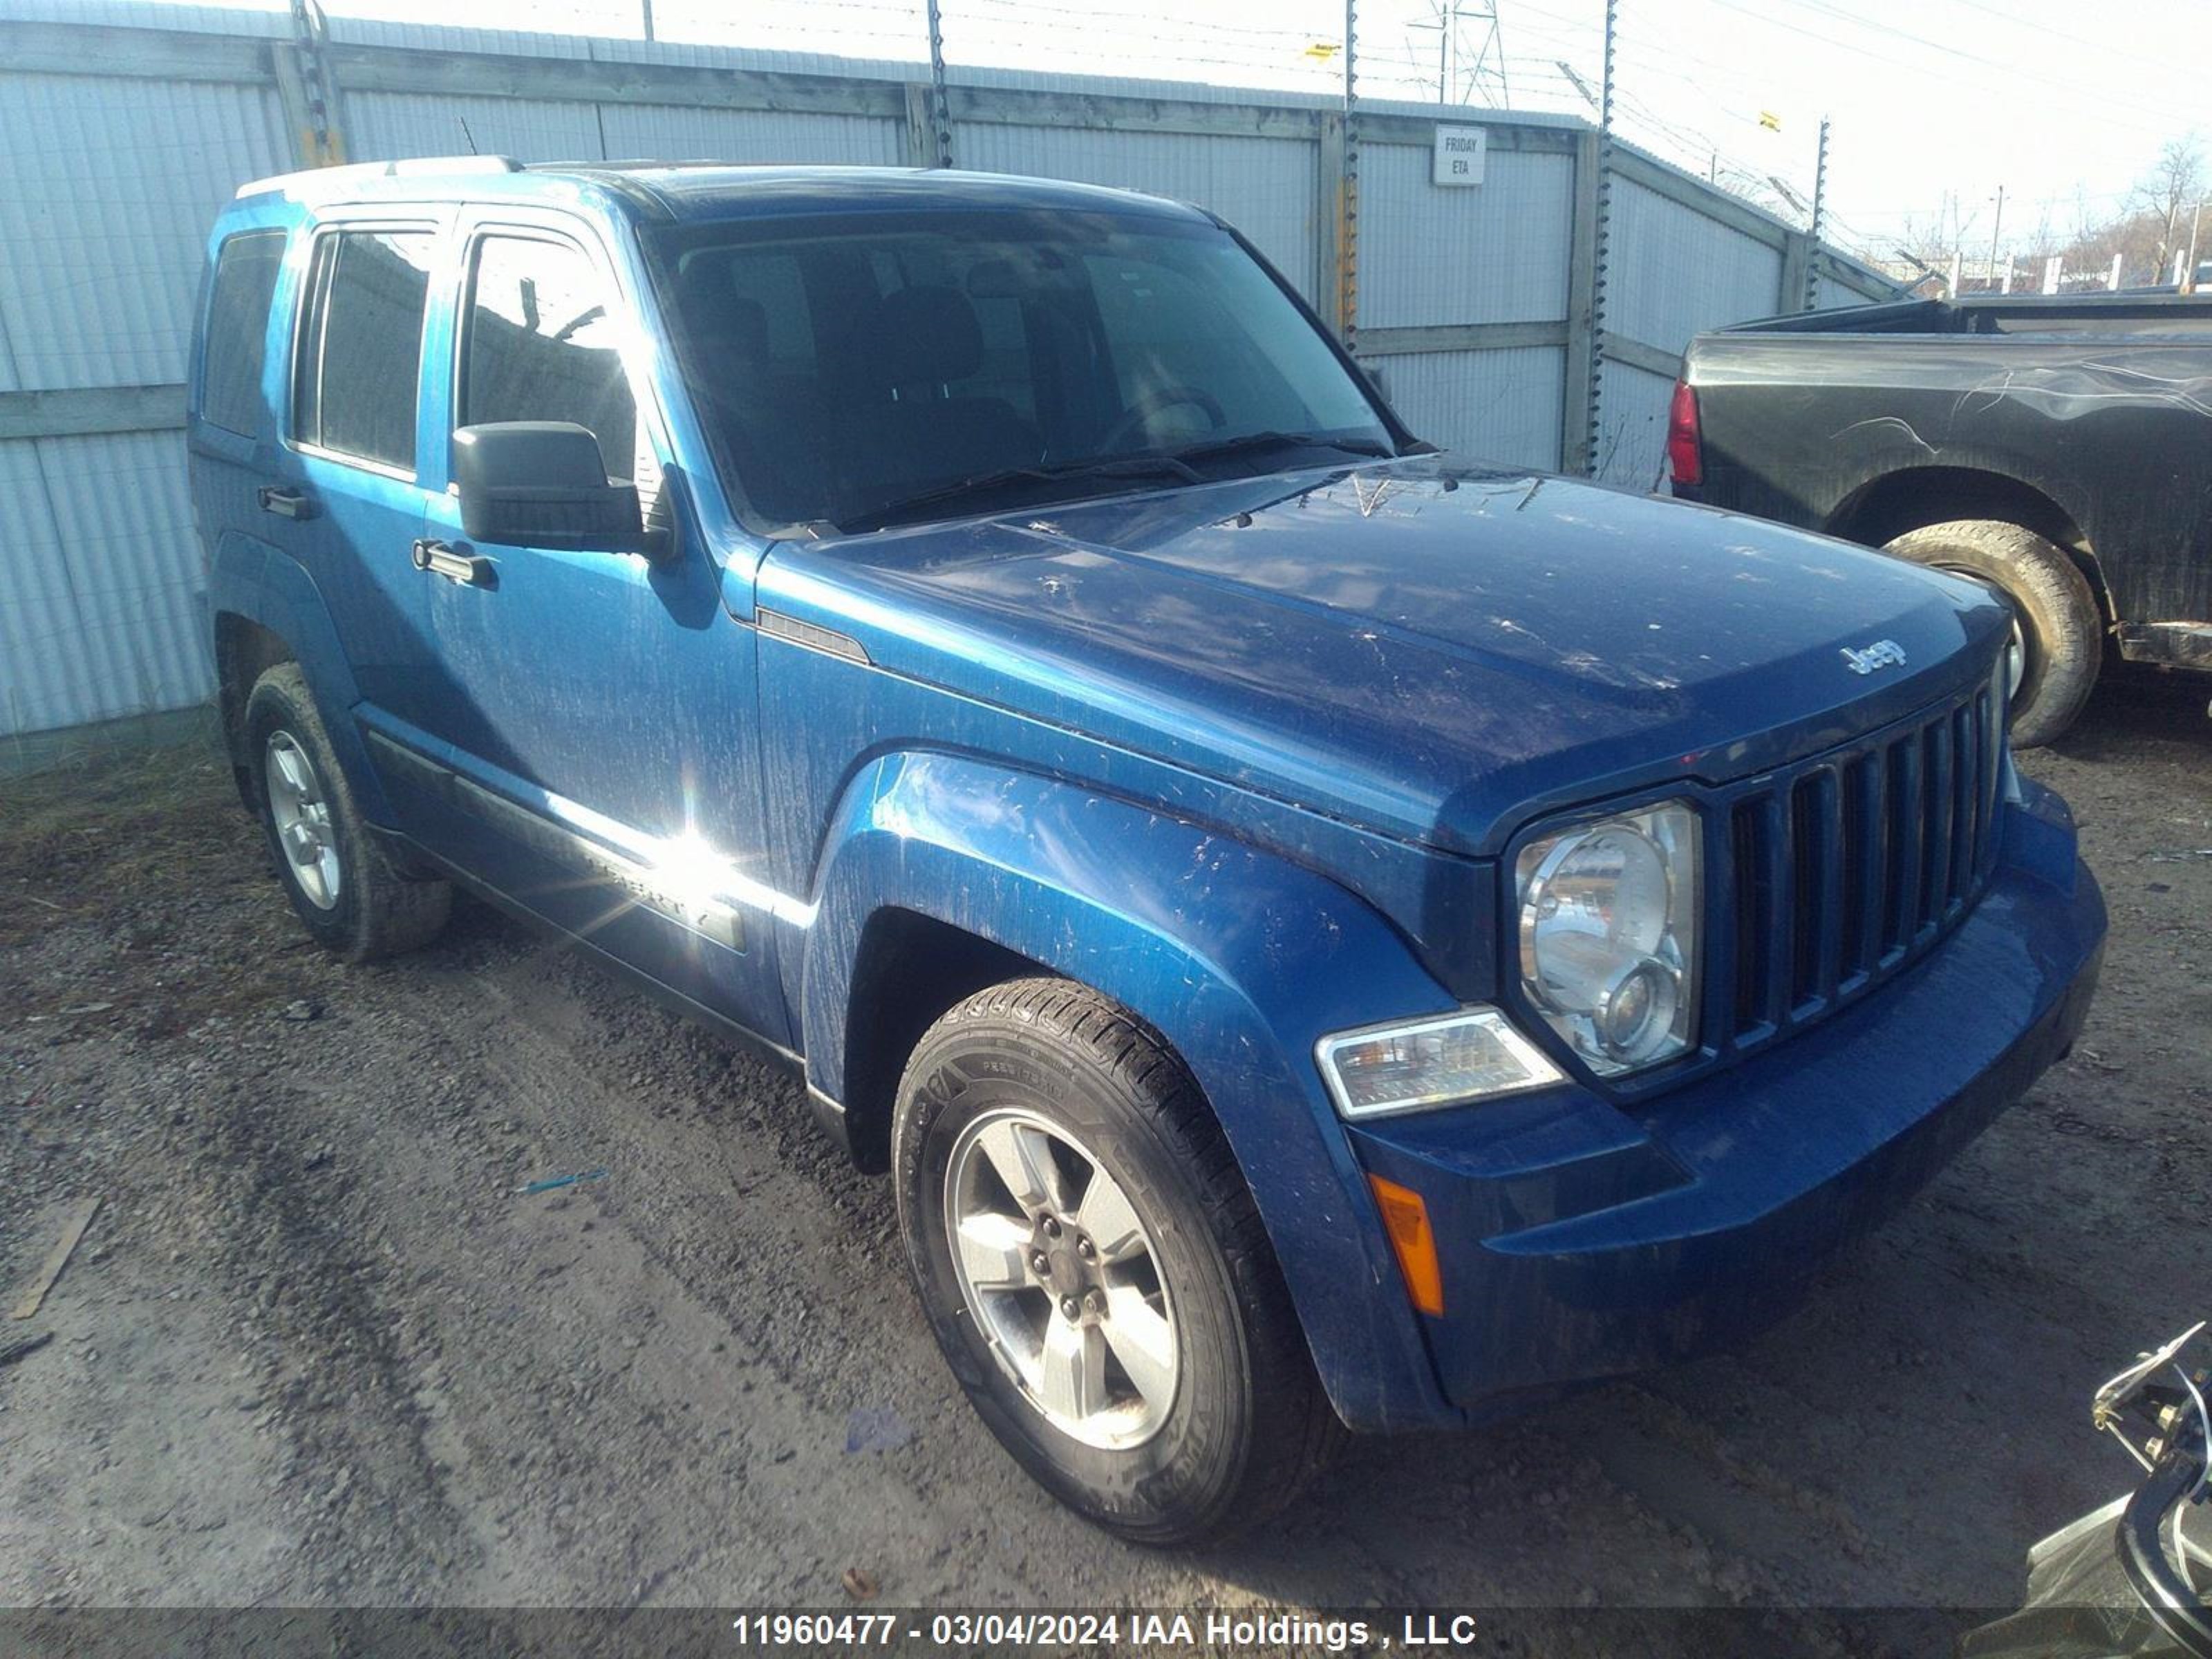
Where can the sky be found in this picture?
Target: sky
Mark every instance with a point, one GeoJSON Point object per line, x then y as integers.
{"type": "Point", "coordinates": [1932, 102]}
{"type": "Point", "coordinates": [2063, 105]}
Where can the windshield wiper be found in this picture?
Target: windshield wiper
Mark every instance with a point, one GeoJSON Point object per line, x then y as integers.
{"type": "Point", "coordinates": [982, 484]}
{"type": "Point", "coordinates": [1250, 442]}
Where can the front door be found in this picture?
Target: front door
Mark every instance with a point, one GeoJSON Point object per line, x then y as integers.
{"type": "Point", "coordinates": [600, 707]}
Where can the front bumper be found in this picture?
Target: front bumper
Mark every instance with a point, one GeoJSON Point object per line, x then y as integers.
{"type": "Point", "coordinates": [1579, 1239]}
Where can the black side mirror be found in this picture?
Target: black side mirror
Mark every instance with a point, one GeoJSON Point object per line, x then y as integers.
{"type": "Point", "coordinates": [543, 483]}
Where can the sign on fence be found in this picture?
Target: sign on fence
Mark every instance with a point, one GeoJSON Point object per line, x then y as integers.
{"type": "Point", "coordinates": [1460, 151]}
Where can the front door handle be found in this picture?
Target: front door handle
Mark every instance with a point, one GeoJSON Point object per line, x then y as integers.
{"type": "Point", "coordinates": [285, 503]}
{"type": "Point", "coordinates": [441, 559]}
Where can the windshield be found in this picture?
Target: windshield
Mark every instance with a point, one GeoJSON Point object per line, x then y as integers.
{"type": "Point", "coordinates": [880, 368]}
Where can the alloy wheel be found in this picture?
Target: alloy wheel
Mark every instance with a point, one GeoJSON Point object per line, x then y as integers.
{"type": "Point", "coordinates": [301, 812]}
{"type": "Point", "coordinates": [1059, 1272]}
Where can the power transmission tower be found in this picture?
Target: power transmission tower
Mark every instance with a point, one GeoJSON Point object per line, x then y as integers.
{"type": "Point", "coordinates": [1470, 48]}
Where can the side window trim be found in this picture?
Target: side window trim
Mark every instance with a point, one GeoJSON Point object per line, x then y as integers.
{"type": "Point", "coordinates": [312, 309]}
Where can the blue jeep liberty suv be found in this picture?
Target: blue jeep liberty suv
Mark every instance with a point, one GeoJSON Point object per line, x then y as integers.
{"type": "Point", "coordinates": [1321, 933]}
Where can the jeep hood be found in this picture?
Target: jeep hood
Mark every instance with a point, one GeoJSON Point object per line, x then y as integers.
{"type": "Point", "coordinates": [1419, 648]}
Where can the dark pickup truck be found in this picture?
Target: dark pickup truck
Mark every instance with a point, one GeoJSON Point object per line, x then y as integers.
{"type": "Point", "coordinates": [2058, 449]}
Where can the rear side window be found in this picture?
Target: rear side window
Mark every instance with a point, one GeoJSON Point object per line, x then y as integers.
{"type": "Point", "coordinates": [238, 329]}
{"type": "Point", "coordinates": [361, 346]}
{"type": "Point", "coordinates": [542, 346]}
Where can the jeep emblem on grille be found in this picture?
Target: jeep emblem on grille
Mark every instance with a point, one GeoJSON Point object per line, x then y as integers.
{"type": "Point", "coordinates": [1883, 654]}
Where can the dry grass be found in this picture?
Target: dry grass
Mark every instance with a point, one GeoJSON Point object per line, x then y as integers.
{"type": "Point", "coordinates": [136, 897]}
{"type": "Point", "coordinates": [75, 840]}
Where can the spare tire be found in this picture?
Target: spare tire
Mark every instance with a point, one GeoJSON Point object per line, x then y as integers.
{"type": "Point", "coordinates": [2060, 630]}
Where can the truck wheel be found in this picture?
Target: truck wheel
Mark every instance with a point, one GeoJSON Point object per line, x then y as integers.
{"type": "Point", "coordinates": [2058, 631]}
{"type": "Point", "coordinates": [353, 900]}
{"type": "Point", "coordinates": [1093, 1268]}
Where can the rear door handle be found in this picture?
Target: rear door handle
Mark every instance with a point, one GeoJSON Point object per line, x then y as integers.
{"type": "Point", "coordinates": [285, 503]}
{"type": "Point", "coordinates": [441, 559]}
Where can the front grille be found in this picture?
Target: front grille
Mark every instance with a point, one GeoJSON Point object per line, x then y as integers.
{"type": "Point", "coordinates": [1846, 867]}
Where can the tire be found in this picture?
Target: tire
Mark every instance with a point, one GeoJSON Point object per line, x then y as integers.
{"type": "Point", "coordinates": [2061, 629]}
{"type": "Point", "coordinates": [346, 890]}
{"type": "Point", "coordinates": [1234, 1424]}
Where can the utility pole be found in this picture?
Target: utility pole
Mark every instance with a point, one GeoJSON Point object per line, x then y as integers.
{"type": "Point", "coordinates": [1347, 200]}
{"type": "Point", "coordinates": [1820, 213]}
{"type": "Point", "coordinates": [940, 107]}
{"type": "Point", "coordinates": [307, 89]}
{"type": "Point", "coordinates": [1595, 394]}
{"type": "Point", "coordinates": [1994, 229]}
{"type": "Point", "coordinates": [2189, 271]}
{"type": "Point", "coordinates": [1446, 24]}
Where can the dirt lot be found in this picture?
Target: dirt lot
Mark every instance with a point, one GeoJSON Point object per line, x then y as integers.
{"type": "Point", "coordinates": [315, 1349]}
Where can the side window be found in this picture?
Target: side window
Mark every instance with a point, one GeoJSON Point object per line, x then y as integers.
{"type": "Point", "coordinates": [541, 346]}
{"type": "Point", "coordinates": [236, 349]}
{"type": "Point", "coordinates": [361, 353]}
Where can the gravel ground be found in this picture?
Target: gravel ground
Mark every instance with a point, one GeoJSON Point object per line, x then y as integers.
{"type": "Point", "coordinates": [315, 1350]}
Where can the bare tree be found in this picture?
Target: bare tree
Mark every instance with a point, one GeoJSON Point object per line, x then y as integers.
{"type": "Point", "coordinates": [2169, 194]}
{"type": "Point", "coordinates": [2040, 243]}
{"type": "Point", "coordinates": [1928, 242]}
{"type": "Point", "coordinates": [2151, 226]}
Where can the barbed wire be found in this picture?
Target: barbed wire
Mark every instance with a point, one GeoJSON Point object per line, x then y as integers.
{"type": "Point", "coordinates": [1545, 58]}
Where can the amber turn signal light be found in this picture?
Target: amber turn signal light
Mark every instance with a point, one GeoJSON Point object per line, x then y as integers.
{"type": "Point", "coordinates": [1405, 1218]}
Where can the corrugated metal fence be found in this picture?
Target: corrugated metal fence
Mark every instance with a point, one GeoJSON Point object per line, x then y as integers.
{"type": "Point", "coordinates": [124, 127]}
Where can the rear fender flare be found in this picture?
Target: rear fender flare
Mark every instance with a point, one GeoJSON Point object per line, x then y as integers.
{"type": "Point", "coordinates": [249, 579]}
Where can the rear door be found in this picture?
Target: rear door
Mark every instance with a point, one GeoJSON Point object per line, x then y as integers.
{"type": "Point", "coordinates": [232, 428]}
{"type": "Point", "coordinates": [348, 501]}
{"type": "Point", "coordinates": [599, 708]}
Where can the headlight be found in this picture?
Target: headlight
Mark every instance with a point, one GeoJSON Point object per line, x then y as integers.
{"type": "Point", "coordinates": [1609, 935]}
{"type": "Point", "coordinates": [1440, 1062]}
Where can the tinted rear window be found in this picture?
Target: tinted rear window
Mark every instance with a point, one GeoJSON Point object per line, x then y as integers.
{"type": "Point", "coordinates": [362, 350]}
{"type": "Point", "coordinates": [238, 329]}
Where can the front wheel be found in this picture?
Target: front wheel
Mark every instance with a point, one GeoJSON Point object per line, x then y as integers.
{"type": "Point", "coordinates": [1093, 1268]}
{"type": "Point", "coordinates": [2058, 634]}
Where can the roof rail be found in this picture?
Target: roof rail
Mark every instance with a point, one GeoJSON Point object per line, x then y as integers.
{"type": "Point", "coordinates": [362, 172]}
{"type": "Point", "coordinates": [628, 164]}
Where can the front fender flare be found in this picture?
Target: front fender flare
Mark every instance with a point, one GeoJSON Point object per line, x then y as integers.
{"type": "Point", "coordinates": [1239, 958]}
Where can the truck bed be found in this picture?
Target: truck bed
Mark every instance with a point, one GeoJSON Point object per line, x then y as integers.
{"type": "Point", "coordinates": [2086, 419]}
{"type": "Point", "coordinates": [2155, 315]}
